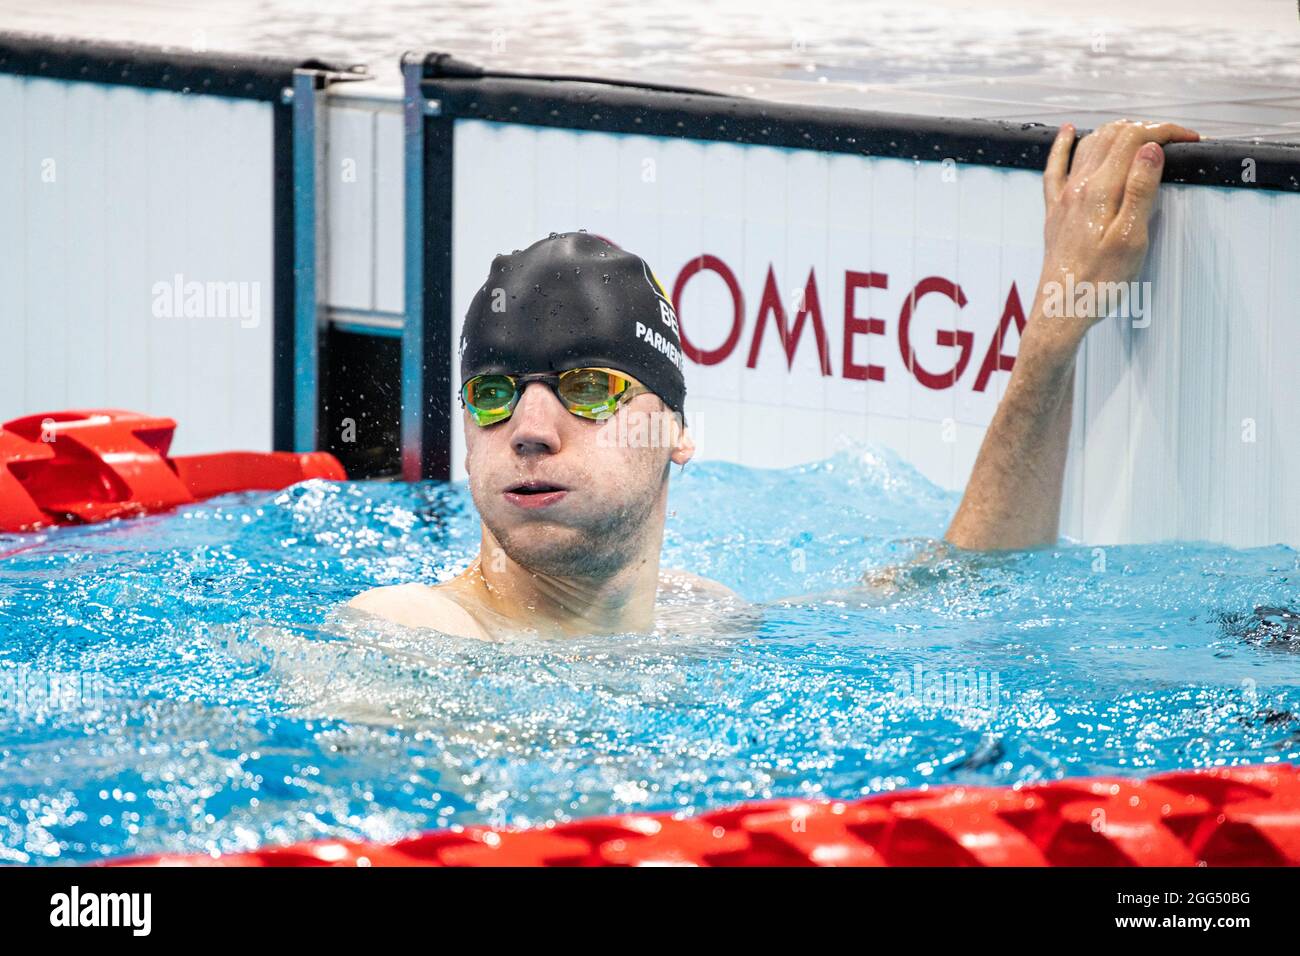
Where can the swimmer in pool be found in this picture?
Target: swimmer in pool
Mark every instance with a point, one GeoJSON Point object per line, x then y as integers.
{"type": "Point", "coordinates": [571, 347]}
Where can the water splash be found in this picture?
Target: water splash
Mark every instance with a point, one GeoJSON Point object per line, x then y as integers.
{"type": "Point", "coordinates": [186, 682]}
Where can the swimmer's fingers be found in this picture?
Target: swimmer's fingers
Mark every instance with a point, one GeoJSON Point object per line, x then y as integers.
{"type": "Point", "coordinates": [1058, 164]}
{"type": "Point", "coordinates": [1130, 225]}
{"type": "Point", "coordinates": [1092, 152]}
{"type": "Point", "coordinates": [1108, 183]}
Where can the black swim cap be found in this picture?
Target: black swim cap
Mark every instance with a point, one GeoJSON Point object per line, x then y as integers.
{"type": "Point", "coordinates": [574, 300]}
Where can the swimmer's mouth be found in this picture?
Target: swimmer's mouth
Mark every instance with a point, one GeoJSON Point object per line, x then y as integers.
{"type": "Point", "coordinates": [535, 488]}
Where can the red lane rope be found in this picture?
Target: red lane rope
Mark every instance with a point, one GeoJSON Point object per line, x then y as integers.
{"type": "Point", "coordinates": [1239, 816]}
{"type": "Point", "coordinates": [90, 465]}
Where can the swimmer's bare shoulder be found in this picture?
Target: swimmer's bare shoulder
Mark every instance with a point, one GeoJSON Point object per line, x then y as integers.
{"type": "Point", "coordinates": [691, 604]}
{"type": "Point", "coordinates": [419, 605]}
{"type": "Point", "coordinates": [674, 581]}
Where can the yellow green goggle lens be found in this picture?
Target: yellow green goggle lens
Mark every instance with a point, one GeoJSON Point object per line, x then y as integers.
{"type": "Point", "coordinates": [593, 393]}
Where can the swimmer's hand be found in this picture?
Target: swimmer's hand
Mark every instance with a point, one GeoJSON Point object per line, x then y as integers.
{"type": "Point", "coordinates": [1098, 209]}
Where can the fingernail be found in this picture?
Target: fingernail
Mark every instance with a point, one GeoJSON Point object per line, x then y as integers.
{"type": "Point", "coordinates": [1151, 153]}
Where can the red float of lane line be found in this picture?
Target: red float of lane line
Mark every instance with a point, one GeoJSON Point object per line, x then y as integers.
{"type": "Point", "coordinates": [78, 467]}
{"type": "Point", "coordinates": [1240, 816]}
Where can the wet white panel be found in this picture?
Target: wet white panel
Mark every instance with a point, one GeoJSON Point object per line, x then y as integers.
{"type": "Point", "coordinates": [128, 305]}
{"type": "Point", "coordinates": [639, 203]}
{"type": "Point", "coordinates": [390, 197]}
{"type": "Point", "coordinates": [349, 173]}
{"type": "Point", "coordinates": [136, 257]}
{"type": "Point", "coordinates": [1281, 427]}
{"type": "Point", "coordinates": [46, 172]}
{"type": "Point", "coordinates": [1190, 420]}
{"type": "Point", "coordinates": [1248, 411]}
{"type": "Point", "coordinates": [86, 258]}
{"type": "Point", "coordinates": [14, 186]}
{"type": "Point", "coordinates": [555, 187]}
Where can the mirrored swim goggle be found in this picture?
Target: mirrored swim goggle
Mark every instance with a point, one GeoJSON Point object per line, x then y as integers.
{"type": "Point", "coordinates": [593, 393]}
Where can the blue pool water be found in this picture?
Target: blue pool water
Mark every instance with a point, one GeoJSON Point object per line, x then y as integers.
{"type": "Point", "coordinates": [184, 682]}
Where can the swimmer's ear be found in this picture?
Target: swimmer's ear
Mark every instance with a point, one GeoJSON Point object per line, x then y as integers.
{"type": "Point", "coordinates": [683, 447]}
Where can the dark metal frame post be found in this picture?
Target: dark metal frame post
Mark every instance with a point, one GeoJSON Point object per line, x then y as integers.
{"type": "Point", "coordinates": [413, 328]}
{"type": "Point", "coordinates": [426, 339]}
{"type": "Point", "coordinates": [307, 249]}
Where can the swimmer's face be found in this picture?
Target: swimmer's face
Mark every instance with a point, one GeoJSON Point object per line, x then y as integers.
{"type": "Point", "coordinates": [565, 495]}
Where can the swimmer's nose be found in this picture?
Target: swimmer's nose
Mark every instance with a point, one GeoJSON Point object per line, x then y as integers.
{"type": "Point", "coordinates": [536, 420]}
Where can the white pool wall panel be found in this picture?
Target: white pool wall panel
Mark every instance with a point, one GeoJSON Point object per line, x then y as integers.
{"type": "Point", "coordinates": [364, 203]}
{"type": "Point", "coordinates": [107, 191]}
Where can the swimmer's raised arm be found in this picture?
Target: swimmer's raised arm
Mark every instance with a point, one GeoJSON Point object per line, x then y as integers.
{"type": "Point", "coordinates": [1096, 232]}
